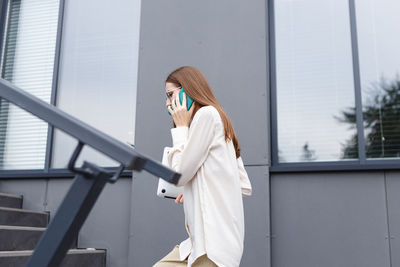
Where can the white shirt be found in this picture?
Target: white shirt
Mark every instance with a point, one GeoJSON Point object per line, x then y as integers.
{"type": "Point", "coordinates": [214, 182]}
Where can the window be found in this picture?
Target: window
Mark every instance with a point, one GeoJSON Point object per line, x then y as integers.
{"type": "Point", "coordinates": [314, 79]}
{"type": "Point", "coordinates": [27, 61]}
{"type": "Point", "coordinates": [336, 100]}
{"type": "Point", "coordinates": [378, 43]}
{"type": "Point", "coordinates": [95, 72]}
{"type": "Point", "coordinates": [98, 74]}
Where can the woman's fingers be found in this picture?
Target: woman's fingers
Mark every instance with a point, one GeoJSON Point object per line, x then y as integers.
{"type": "Point", "coordinates": [180, 114]}
{"type": "Point", "coordinates": [170, 110]}
{"type": "Point", "coordinates": [179, 199]}
{"type": "Point", "coordinates": [184, 99]}
{"type": "Point", "coordinates": [177, 103]}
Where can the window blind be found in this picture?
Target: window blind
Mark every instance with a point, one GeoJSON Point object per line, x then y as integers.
{"type": "Point", "coordinates": [29, 43]}
{"type": "Point", "coordinates": [314, 80]}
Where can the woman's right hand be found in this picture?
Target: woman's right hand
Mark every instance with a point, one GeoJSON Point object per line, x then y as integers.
{"type": "Point", "coordinates": [179, 199]}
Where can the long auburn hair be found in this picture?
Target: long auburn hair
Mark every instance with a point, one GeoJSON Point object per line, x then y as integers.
{"type": "Point", "coordinates": [197, 87]}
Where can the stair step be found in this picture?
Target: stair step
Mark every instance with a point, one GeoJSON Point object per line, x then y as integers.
{"type": "Point", "coordinates": [21, 237]}
{"type": "Point", "coordinates": [74, 258]}
{"type": "Point", "coordinates": [20, 217]}
{"type": "Point", "coordinates": [10, 201]}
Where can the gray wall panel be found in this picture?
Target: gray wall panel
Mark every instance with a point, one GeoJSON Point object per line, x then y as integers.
{"type": "Point", "coordinates": [108, 223]}
{"type": "Point", "coordinates": [57, 189]}
{"type": "Point", "coordinates": [329, 220]}
{"type": "Point", "coordinates": [256, 210]}
{"type": "Point", "coordinates": [34, 192]}
{"type": "Point", "coordinates": [393, 197]}
{"type": "Point", "coordinates": [226, 40]}
{"type": "Point", "coordinates": [157, 225]}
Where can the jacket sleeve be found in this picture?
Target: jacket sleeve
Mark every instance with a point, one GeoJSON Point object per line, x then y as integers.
{"type": "Point", "coordinates": [189, 151]}
{"type": "Point", "coordinates": [244, 179]}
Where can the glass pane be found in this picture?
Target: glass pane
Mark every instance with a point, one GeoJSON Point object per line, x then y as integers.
{"type": "Point", "coordinates": [379, 42]}
{"type": "Point", "coordinates": [314, 81]}
{"type": "Point", "coordinates": [98, 70]}
{"type": "Point", "coordinates": [28, 60]}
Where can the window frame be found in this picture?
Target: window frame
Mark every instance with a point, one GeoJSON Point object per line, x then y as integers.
{"type": "Point", "coordinates": [360, 164]}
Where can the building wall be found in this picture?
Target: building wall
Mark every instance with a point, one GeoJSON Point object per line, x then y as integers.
{"type": "Point", "coordinates": [329, 219]}
{"type": "Point", "coordinates": [335, 219]}
{"type": "Point", "coordinates": [226, 40]}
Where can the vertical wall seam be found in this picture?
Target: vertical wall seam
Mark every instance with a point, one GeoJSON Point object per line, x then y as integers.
{"type": "Point", "coordinates": [269, 217]}
{"type": "Point", "coordinates": [46, 195]}
{"type": "Point", "coordinates": [271, 100]}
{"type": "Point", "coordinates": [387, 218]}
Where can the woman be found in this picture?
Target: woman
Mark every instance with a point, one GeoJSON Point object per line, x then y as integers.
{"type": "Point", "coordinates": [207, 154]}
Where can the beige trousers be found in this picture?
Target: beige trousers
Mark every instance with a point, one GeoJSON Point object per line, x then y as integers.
{"type": "Point", "coordinates": [172, 260]}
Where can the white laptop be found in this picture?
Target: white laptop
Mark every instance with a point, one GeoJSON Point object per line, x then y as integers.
{"type": "Point", "coordinates": [165, 189]}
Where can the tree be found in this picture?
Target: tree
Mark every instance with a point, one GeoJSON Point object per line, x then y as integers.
{"type": "Point", "coordinates": [381, 117]}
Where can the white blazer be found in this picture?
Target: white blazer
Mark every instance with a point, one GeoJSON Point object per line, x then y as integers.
{"type": "Point", "coordinates": [214, 183]}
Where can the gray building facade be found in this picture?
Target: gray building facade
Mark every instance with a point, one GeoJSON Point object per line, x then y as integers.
{"type": "Point", "coordinates": [322, 211]}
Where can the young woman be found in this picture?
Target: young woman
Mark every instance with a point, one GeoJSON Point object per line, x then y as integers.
{"type": "Point", "coordinates": [206, 152]}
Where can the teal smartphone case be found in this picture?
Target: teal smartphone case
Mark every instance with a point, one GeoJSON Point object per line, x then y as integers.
{"type": "Point", "coordinates": [189, 100]}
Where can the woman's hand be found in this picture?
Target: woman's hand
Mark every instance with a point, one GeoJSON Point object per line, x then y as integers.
{"type": "Point", "coordinates": [180, 114]}
{"type": "Point", "coordinates": [179, 199]}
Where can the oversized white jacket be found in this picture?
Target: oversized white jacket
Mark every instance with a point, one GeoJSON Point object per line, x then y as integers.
{"type": "Point", "coordinates": [214, 182]}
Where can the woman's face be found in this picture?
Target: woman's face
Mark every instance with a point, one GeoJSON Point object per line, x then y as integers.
{"type": "Point", "coordinates": [171, 91]}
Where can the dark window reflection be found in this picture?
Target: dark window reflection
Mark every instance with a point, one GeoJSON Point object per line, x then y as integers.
{"type": "Point", "coordinates": [379, 42]}
{"type": "Point", "coordinates": [381, 115]}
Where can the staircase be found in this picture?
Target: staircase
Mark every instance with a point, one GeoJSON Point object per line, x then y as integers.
{"type": "Point", "coordinates": [20, 231]}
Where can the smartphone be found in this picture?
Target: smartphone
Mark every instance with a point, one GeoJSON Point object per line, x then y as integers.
{"type": "Point", "coordinates": [189, 100]}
